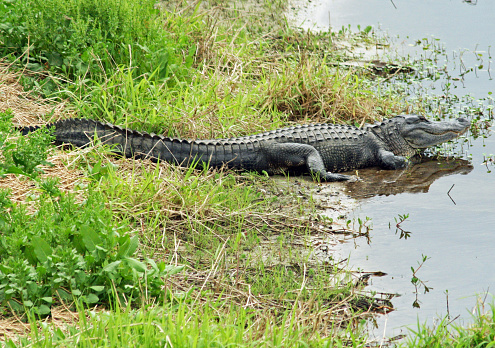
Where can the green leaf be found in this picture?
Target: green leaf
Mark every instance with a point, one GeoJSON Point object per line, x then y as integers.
{"type": "Point", "coordinates": [171, 269]}
{"type": "Point", "coordinates": [15, 170]}
{"type": "Point", "coordinates": [5, 26]}
{"type": "Point", "coordinates": [43, 310]}
{"type": "Point", "coordinates": [111, 266]}
{"type": "Point", "coordinates": [41, 249]}
{"type": "Point", "coordinates": [135, 264]}
{"type": "Point", "coordinates": [15, 305]}
{"type": "Point", "coordinates": [97, 288]}
{"type": "Point", "coordinates": [153, 265]}
{"type": "Point", "coordinates": [129, 247]}
{"type": "Point", "coordinates": [90, 238]}
{"type": "Point", "coordinates": [28, 252]}
{"type": "Point", "coordinates": [133, 245]}
{"type": "Point", "coordinates": [64, 295]}
{"type": "Point", "coordinates": [5, 269]}
{"type": "Point", "coordinates": [9, 147]}
{"type": "Point", "coordinates": [91, 298]}
{"type": "Point", "coordinates": [59, 334]}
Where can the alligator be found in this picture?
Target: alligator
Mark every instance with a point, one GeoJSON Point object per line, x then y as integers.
{"type": "Point", "coordinates": [320, 149]}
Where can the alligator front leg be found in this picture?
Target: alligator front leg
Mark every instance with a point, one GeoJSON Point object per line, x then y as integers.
{"type": "Point", "coordinates": [286, 156]}
{"type": "Point", "coordinates": [390, 161]}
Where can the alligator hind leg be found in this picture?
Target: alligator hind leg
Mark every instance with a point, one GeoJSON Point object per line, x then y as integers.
{"type": "Point", "coordinates": [283, 156]}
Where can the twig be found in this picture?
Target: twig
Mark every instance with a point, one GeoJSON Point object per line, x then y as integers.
{"type": "Point", "coordinates": [448, 310]}
{"type": "Point", "coordinates": [448, 194]}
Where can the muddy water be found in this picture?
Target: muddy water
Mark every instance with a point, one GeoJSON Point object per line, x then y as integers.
{"type": "Point", "coordinates": [450, 204]}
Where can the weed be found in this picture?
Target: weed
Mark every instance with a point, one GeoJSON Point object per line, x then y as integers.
{"type": "Point", "coordinates": [418, 282]}
{"type": "Point", "coordinates": [488, 159]}
{"type": "Point", "coordinates": [68, 252]}
{"type": "Point", "coordinates": [365, 224]}
{"type": "Point", "coordinates": [398, 222]}
{"type": "Point", "coordinates": [446, 333]}
{"type": "Point", "coordinates": [65, 251]}
{"type": "Point", "coordinates": [178, 324]}
{"type": "Point", "coordinates": [24, 155]}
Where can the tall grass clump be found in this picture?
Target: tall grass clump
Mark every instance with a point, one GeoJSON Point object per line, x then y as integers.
{"type": "Point", "coordinates": [83, 39]}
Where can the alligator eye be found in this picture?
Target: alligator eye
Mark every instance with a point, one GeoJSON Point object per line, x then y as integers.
{"type": "Point", "coordinates": [416, 119]}
{"type": "Point", "coordinates": [412, 119]}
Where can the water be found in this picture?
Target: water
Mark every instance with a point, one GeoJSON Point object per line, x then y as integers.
{"type": "Point", "coordinates": [451, 211]}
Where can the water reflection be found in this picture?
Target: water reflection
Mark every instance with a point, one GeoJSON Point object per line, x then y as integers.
{"type": "Point", "coordinates": [415, 179]}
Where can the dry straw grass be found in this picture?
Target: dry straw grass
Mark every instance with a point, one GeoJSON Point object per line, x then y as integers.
{"type": "Point", "coordinates": [61, 317]}
{"type": "Point", "coordinates": [23, 190]}
{"type": "Point", "coordinates": [29, 110]}
{"type": "Point", "coordinates": [285, 74]}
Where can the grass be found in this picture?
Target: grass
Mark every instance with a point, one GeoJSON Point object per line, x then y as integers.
{"type": "Point", "coordinates": [173, 325]}
{"type": "Point", "coordinates": [480, 333]}
{"type": "Point", "coordinates": [162, 255]}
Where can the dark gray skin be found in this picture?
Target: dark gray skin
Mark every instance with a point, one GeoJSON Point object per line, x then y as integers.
{"type": "Point", "coordinates": [319, 149]}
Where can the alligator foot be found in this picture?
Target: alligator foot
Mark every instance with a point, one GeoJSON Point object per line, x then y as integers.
{"type": "Point", "coordinates": [390, 161]}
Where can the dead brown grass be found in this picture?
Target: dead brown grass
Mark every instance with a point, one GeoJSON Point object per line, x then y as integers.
{"type": "Point", "coordinates": [71, 179]}
{"type": "Point", "coordinates": [283, 72]}
{"type": "Point", "coordinates": [61, 317]}
{"type": "Point", "coordinates": [27, 108]}
{"type": "Point", "coordinates": [313, 92]}
{"type": "Point", "coordinates": [31, 110]}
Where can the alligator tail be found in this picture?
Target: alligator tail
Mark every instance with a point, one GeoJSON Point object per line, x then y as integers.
{"type": "Point", "coordinates": [25, 130]}
{"type": "Point", "coordinates": [131, 143]}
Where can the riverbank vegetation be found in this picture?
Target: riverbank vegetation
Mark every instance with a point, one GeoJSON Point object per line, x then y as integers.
{"type": "Point", "coordinates": [102, 251]}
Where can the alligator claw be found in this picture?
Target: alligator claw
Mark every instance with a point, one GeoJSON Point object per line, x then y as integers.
{"type": "Point", "coordinates": [337, 177]}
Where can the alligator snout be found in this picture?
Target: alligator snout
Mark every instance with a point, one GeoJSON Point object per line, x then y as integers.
{"type": "Point", "coordinates": [464, 123]}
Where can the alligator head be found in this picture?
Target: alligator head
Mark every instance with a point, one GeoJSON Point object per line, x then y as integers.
{"type": "Point", "coordinates": [405, 134]}
{"type": "Point", "coordinates": [421, 133]}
